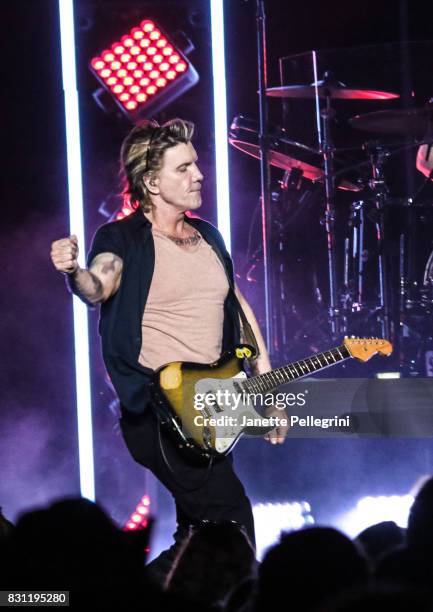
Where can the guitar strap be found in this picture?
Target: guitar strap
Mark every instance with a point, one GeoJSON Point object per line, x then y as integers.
{"type": "Point", "coordinates": [247, 331]}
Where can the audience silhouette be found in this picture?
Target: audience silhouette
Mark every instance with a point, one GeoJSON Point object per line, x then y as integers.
{"type": "Point", "coordinates": [73, 545]}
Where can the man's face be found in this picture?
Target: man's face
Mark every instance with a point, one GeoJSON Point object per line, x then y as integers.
{"type": "Point", "coordinates": [179, 180]}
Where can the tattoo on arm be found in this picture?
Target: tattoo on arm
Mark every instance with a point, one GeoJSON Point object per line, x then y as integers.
{"type": "Point", "coordinates": [97, 286]}
{"type": "Point", "coordinates": [87, 292]}
{"type": "Point", "coordinates": [97, 283]}
{"type": "Point", "coordinates": [109, 266]}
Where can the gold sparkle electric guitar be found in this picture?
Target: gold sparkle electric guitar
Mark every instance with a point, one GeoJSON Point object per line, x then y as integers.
{"type": "Point", "coordinates": [206, 406]}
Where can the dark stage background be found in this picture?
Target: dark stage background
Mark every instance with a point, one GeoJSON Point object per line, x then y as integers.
{"type": "Point", "coordinates": [38, 444]}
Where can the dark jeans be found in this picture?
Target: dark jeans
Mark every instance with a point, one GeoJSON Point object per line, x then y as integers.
{"type": "Point", "coordinates": [200, 493]}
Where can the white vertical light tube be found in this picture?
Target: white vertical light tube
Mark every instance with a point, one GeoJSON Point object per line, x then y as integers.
{"type": "Point", "coordinates": [220, 119]}
{"type": "Point", "coordinates": [76, 224]}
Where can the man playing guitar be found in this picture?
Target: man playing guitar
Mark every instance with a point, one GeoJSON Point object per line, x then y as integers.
{"type": "Point", "coordinates": [165, 284]}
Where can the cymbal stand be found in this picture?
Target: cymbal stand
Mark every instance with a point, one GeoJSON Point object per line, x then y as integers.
{"type": "Point", "coordinates": [403, 329]}
{"type": "Point", "coordinates": [327, 151]}
{"type": "Point", "coordinates": [377, 183]}
{"type": "Point", "coordinates": [357, 224]}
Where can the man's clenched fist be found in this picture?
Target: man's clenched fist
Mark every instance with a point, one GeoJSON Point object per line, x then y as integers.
{"type": "Point", "coordinates": [64, 253]}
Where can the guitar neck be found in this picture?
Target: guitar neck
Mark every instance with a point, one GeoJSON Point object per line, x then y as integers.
{"type": "Point", "coordinates": [270, 381]}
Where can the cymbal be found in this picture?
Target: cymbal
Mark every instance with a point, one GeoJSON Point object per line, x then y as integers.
{"type": "Point", "coordinates": [414, 122]}
{"type": "Point", "coordinates": [339, 91]}
{"type": "Point", "coordinates": [279, 160]}
{"type": "Point", "coordinates": [286, 162]}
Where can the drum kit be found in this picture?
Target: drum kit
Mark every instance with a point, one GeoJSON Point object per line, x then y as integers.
{"type": "Point", "coordinates": [369, 267]}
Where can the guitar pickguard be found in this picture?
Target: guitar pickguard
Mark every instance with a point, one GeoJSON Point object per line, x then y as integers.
{"type": "Point", "coordinates": [224, 409]}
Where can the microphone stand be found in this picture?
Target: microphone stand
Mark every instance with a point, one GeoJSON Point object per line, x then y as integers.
{"type": "Point", "coordinates": [265, 180]}
{"type": "Point", "coordinates": [327, 150]}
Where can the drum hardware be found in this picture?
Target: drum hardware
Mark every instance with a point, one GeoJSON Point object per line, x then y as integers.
{"type": "Point", "coordinates": [244, 136]}
{"type": "Point", "coordinates": [292, 180]}
{"type": "Point", "coordinates": [378, 155]}
{"type": "Point", "coordinates": [428, 272]}
{"type": "Point", "coordinates": [402, 283]}
{"type": "Point", "coordinates": [393, 150]}
{"type": "Point", "coordinates": [346, 294]}
{"type": "Point", "coordinates": [326, 146]}
{"type": "Point", "coordinates": [272, 338]}
{"type": "Point", "coordinates": [418, 297]}
{"type": "Point", "coordinates": [356, 221]}
{"type": "Point", "coordinates": [414, 122]}
{"type": "Point", "coordinates": [328, 87]}
{"type": "Point", "coordinates": [355, 299]}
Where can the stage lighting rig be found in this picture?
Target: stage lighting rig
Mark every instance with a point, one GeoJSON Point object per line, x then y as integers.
{"type": "Point", "coordinates": [144, 71]}
{"type": "Point", "coordinates": [139, 519]}
{"type": "Point", "coordinates": [114, 207]}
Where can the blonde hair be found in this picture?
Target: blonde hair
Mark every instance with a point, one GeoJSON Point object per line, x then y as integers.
{"type": "Point", "coordinates": [142, 152]}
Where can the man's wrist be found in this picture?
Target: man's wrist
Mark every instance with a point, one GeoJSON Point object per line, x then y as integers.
{"type": "Point", "coordinates": [260, 365]}
{"type": "Point", "coordinates": [73, 273]}
{"type": "Point", "coordinates": [70, 280]}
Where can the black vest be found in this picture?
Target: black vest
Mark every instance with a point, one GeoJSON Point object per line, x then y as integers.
{"type": "Point", "coordinates": [121, 315]}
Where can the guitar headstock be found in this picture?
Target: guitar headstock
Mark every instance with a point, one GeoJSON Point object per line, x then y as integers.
{"type": "Point", "coordinates": [365, 348]}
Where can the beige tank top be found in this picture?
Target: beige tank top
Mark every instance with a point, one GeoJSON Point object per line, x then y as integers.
{"type": "Point", "coordinates": [184, 313]}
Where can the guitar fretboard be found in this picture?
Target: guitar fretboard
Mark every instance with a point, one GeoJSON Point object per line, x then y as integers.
{"type": "Point", "coordinates": [264, 383]}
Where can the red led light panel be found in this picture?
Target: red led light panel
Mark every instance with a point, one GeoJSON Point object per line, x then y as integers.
{"type": "Point", "coordinates": [143, 70]}
{"type": "Point", "coordinates": [140, 517]}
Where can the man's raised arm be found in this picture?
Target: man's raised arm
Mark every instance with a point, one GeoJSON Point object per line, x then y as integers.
{"type": "Point", "coordinates": [94, 285]}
